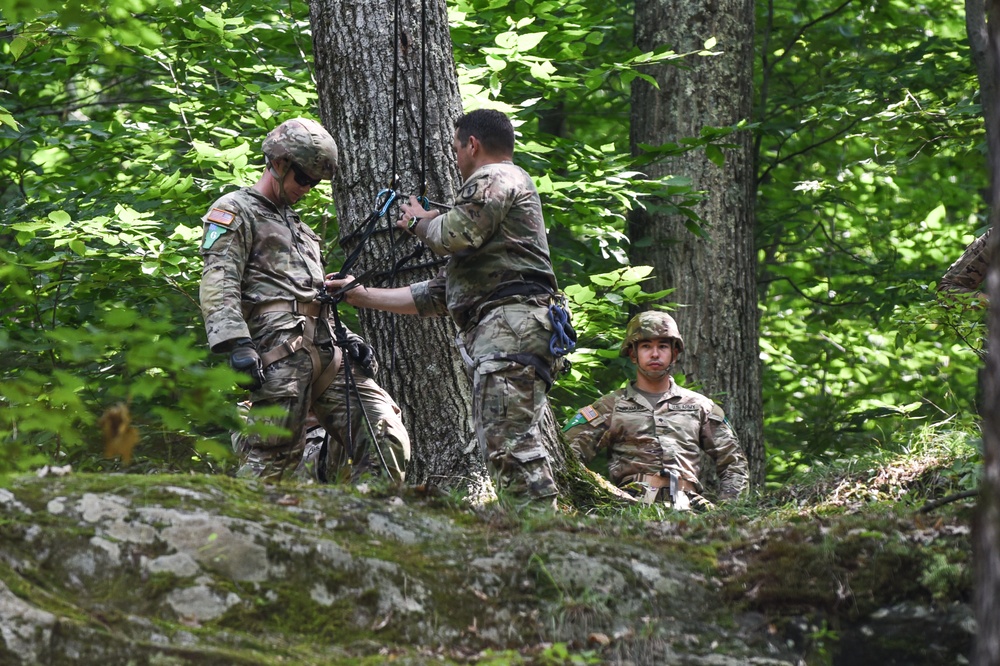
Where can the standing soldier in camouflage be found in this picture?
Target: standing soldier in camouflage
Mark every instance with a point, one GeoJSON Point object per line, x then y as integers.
{"type": "Point", "coordinates": [497, 287]}
{"type": "Point", "coordinates": [259, 287]}
{"type": "Point", "coordinates": [653, 430]}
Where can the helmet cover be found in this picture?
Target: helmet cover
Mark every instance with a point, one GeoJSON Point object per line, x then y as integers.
{"type": "Point", "coordinates": [651, 325]}
{"type": "Point", "coordinates": [306, 144]}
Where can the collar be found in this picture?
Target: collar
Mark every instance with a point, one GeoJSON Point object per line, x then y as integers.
{"type": "Point", "coordinates": [267, 202]}
{"type": "Point", "coordinates": [632, 393]}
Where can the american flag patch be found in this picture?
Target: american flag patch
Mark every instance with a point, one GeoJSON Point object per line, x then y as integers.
{"type": "Point", "coordinates": [589, 413]}
{"type": "Point", "coordinates": [219, 216]}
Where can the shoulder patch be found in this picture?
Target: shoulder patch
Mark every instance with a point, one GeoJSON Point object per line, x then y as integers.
{"type": "Point", "coordinates": [212, 234]}
{"type": "Point", "coordinates": [220, 216]}
{"type": "Point", "coordinates": [469, 191]}
{"type": "Point", "coordinates": [573, 422]}
{"type": "Point", "coordinates": [585, 415]}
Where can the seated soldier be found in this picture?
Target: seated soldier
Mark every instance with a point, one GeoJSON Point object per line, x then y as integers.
{"type": "Point", "coordinates": [655, 431]}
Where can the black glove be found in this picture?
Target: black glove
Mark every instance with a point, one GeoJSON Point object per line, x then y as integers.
{"type": "Point", "coordinates": [363, 354]}
{"type": "Point", "coordinates": [244, 358]}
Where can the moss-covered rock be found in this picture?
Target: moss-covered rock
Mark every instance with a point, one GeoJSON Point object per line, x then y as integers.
{"type": "Point", "coordinates": [194, 569]}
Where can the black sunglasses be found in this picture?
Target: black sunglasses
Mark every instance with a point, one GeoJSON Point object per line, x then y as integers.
{"type": "Point", "coordinates": [302, 178]}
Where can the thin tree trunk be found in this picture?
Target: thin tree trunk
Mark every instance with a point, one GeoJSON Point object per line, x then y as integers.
{"type": "Point", "coordinates": [986, 540]}
{"type": "Point", "coordinates": [714, 278]}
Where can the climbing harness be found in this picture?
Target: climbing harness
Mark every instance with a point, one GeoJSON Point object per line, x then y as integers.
{"type": "Point", "coordinates": [561, 342]}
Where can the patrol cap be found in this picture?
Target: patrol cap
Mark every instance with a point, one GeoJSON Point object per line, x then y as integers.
{"type": "Point", "coordinates": [651, 325]}
{"type": "Point", "coordinates": [306, 144]}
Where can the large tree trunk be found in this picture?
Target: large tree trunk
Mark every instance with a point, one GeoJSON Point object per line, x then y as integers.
{"type": "Point", "coordinates": [714, 277]}
{"type": "Point", "coordinates": [986, 533]}
{"type": "Point", "coordinates": [354, 46]}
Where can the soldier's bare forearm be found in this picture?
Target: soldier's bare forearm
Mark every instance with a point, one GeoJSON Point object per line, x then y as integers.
{"type": "Point", "coordinates": [397, 299]}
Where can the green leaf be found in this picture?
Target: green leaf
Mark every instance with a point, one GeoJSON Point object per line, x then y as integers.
{"type": "Point", "coordinates": [496, 64]}
{"type": "Point", "coordinates": [935, 217]}
{"type": "Point", "coordinates": [715, 154]}
{"type": "Point", "coordinates": [542, 70]}
{"type": "Point", "coordinates": [60, 217]}
{"type": "Point", "coordinates": [299, 97]}
{"type": "Point", "coordinates": [529, 41]}
{"type": "Point", "coordinates": [18, 45]}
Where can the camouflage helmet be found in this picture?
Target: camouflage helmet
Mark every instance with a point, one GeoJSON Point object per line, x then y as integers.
{"type": "Point", "coordinates": [305, 143]}
{"type": "Point", "coordinates": [650, 326]}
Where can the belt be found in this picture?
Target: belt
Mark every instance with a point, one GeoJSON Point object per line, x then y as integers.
{"type": "Point", "coordinates": [502, 292]}
{"type": "Point", "coordinates": [310, 309]}
{"type": "Point", "coordinates": [657, 488]}
{"type": "Point", "coordinates": [517, 289]}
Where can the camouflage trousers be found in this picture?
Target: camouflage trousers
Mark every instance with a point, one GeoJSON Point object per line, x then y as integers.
{"type": "Point", "coordinates": [509, 398]}
{"type": "Point", "coordinates": [378, 444]}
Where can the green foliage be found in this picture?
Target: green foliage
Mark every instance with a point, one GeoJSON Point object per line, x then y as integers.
{"type": "Point", "coordinates": [869, 151]}
{"type": "Point", "coordinates": [120, 124]}
{"type": "Point", "coordinates": [870, 168]}
{"type": "Point", "coordinates": [944, 578]}
{"type": "Point", "coordinates": [125, 127]}
{"type": "Point", "coordinates": [555, 654]}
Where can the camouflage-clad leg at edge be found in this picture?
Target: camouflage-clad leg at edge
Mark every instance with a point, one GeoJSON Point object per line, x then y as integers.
{"type": "Point", "coordinates": [509, 399]}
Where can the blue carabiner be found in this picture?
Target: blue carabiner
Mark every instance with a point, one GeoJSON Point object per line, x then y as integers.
{"type": "Point", "coordinates": [390, 197]}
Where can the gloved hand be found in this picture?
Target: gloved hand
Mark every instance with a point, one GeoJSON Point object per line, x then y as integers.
{"type": "Point", "coordinates": [363, 354]}
{"type": "Point", "coordinates": [244, 358]}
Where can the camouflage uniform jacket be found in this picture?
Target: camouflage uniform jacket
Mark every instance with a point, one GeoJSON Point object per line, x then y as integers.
{"type": "Point", "coordinates": [494, 236]}
{"type": "Point", "coordinates": [255, 253]}
{"type": "Point", "coordinates": [966, 274]}
{"type": "Point", "coordinates": [641, 440]}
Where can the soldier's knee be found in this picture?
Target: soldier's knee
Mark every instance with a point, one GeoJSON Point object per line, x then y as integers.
{"type": "Point", "coordinates": [525, 473]}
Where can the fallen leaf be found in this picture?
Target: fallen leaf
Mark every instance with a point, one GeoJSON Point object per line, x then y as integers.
{"type": "Point", "coordinates": [119, 436]}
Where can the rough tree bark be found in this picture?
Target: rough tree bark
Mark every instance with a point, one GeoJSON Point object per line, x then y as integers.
{"type": "Point", "coordinates": [354, 46]}
{"type": "Point", "coordinates": [986, 533]}
{"type": "Point", "coordinates": [713, 278]}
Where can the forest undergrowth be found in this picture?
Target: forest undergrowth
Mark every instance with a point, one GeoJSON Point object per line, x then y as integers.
{"type": "Point", "coordinates": [839, 542]}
